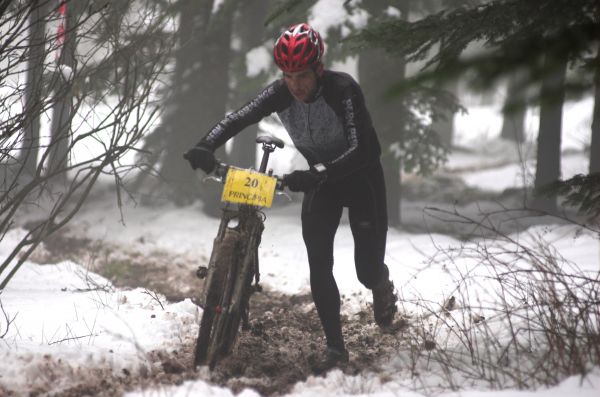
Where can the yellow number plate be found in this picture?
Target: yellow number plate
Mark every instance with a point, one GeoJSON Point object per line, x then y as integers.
{"type": "Point", "coordinates": [249, 187]}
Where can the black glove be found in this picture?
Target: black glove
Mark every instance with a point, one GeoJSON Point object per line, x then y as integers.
{"type": "Point", "coordinates": [200, 157]}
{"type": "Point", "coordinates": [302, 181]}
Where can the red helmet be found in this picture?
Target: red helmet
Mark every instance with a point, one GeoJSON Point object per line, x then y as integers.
{"type": "Point", "coordinates": [298, 48]}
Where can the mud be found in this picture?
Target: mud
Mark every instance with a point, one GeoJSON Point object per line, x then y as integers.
{"type": "Point", "coordinates": [284, 345]}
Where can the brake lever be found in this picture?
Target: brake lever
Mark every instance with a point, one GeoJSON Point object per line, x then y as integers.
{"type": "Point", "coordinates": [284, 193]}
{"type": "Point", "coordinates": [212, 178]}
{"type": "Point", "coordinates": [218, 174]}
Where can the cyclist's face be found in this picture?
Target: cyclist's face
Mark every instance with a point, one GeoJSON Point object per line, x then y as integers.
{"type": "Point", "coordinates": [303, 84]}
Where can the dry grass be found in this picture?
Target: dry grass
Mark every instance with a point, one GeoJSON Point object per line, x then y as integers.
{"type": "Point", "coordinates": [520, 316]}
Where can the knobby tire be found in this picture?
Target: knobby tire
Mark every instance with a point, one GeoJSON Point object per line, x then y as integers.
{"type": "Point", "coordinates": [219, 264]}
{"type": "Point", "coordinates": [227, 291]}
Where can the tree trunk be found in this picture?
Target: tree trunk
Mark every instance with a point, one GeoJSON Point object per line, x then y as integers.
{"type": "Point", "coordinates": [215, 66]}
{"type": "Point", "coordinates": [595, 144]}
{"type": "Point", "coordinates": [4, 5]}
{"type": "Point", "coordinates": [513, 123]}
{"type": "Point", "coordinates": [28, 155]}
{"type": "Point", "coordinates": [376, 70]}
{"type": "Point", "coordinates": [549, 135]}
{"type": "Point", "coordinates": [200, 93]}
{"type": "Point", "coordinates": [62, 111]}
{"type": "Point", "coordinates": [181, 126]}
{"type": "Point", "coordinates": [249, 30]}
{"type": "Point", "coordinates": [445, 127]}
{"type": "Point", "coordinates": [211, 105]}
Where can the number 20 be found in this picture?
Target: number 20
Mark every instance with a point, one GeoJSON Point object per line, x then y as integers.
{"type": "Point", "coordinates": [251, 182]}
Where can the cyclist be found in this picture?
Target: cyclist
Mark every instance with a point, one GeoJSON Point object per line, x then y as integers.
{"type": "Point", "coordinates": [325, 115]}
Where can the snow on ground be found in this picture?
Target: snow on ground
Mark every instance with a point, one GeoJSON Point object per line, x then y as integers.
{"type": "Point", "coordinates": [338, 384]}
{"type": "Point", "coordinates": [498, 179]}
{"type": "Point", "coordinates": [483, 123]}
{"type": "Point", "coordinates": [76, 316]}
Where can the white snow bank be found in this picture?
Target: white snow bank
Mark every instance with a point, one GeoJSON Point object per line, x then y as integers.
{"type": "Point", "coordinates": [521, 174]}
{"type": "Point", "coordinates": [78, 319]}
{"type": "Point", "coordinates": [192, 388]}
{"type": "Point", "coordinates": [484, 123]}
{"type": "Point", "coordinates": [337, 383]}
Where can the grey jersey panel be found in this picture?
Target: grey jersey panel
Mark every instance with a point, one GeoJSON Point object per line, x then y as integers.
{"type": "Point", "coordinates": [335, 129]}
{"type": "Point", "coordinates": [315, 129]}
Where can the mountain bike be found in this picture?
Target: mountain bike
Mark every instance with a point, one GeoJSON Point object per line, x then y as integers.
{"type": "Point", "coordinates": [233, 263]}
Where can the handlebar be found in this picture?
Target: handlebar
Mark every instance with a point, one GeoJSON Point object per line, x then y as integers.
{"type": "Point", "coordinates": [221, 170]}
{"type": "Point", "coordinates": [220, 173]}
{"type": "Point", "coordinates": [269, 144]}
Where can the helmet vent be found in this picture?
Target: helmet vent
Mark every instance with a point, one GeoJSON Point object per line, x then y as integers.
{"type": "Point", "coordinates": [298, 48]}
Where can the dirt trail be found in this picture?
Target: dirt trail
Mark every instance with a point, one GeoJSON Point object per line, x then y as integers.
{"type": "Point", "coordinates": [285, 343]}
{"type": "Point", "coordinates": [284, 339]}
{"type": "Point", "coordinates": [281, 347]}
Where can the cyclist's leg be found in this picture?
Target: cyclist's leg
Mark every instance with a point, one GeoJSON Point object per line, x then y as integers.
{"type": "Point", "coordinates": [368, 221]}
{"type": "Point", "coordinates": [321, 213]}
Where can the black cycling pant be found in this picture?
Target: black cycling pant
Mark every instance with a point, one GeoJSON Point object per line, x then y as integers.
{"type": "Point", "coordinates": [363, 193]}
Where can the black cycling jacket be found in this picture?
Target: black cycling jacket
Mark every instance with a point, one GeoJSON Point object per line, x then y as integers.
{"type": "Point", "coordinates": [335, 129]}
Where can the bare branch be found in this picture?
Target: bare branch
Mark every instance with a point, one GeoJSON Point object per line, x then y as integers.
{"type": "Point", "coordinates": [107, 101]}
{"type": "Point", "coordinates": [7, 320]}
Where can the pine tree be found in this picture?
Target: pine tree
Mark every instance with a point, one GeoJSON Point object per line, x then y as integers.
{"type": "Point", "coordinates": [513, 123]}
{"type": "Point", "coordinates": [408, 142]}
{"type": "Point", "coordinates": [198, 97]}
{"type": "Point", "coordinates": [376, 69]}
{"type": "Point", "coordinates": [517, 36]}
{"type": "Point", "coordinates": [549, 135]}
{"type": "Point", "coordinates": [595, 143]}
{"type": "Point", "coordinates": [248, 19]}
{"type": "Point", "coordinates": [581, 192]}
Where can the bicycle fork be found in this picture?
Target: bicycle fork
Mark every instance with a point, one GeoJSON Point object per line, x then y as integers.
{"type": "Point", "coordinates": [235, 253]}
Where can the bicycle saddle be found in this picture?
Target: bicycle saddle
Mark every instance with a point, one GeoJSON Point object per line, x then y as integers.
{"type": "Point", "coordinates": [270, 140]}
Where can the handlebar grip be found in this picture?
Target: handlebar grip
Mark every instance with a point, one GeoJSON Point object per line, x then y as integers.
{"type": "Point", "coordinates": [280, 184]}
{"type": "Point", "coordinates": [221, 170]}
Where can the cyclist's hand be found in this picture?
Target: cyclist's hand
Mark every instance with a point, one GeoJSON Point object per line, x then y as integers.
{"type": "Point", "coordinates": [200, 157]}
{"type": "Point", "coordinates": [302, 181]}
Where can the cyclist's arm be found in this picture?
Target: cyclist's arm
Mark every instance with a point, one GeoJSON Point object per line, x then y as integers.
{"type": "Point", "coordinates": [268, 101]}
{"type": "Point", "coordinates": [363, 146]}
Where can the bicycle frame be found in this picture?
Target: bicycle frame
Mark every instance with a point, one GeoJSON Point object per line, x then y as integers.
{"type": "Point", "coordinates": [232, 267]}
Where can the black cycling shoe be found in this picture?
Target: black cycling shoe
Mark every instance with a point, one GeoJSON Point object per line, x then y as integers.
{"type": "Point", "coordinates": [333, 357]}
{"type": "Point", "coordinates": [384, 303]}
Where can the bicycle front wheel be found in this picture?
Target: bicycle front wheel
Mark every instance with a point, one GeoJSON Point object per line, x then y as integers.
{"type": "Point", "coordinates": [228, 293]}
{"type": "Point", "coordinates": [222, 259]}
